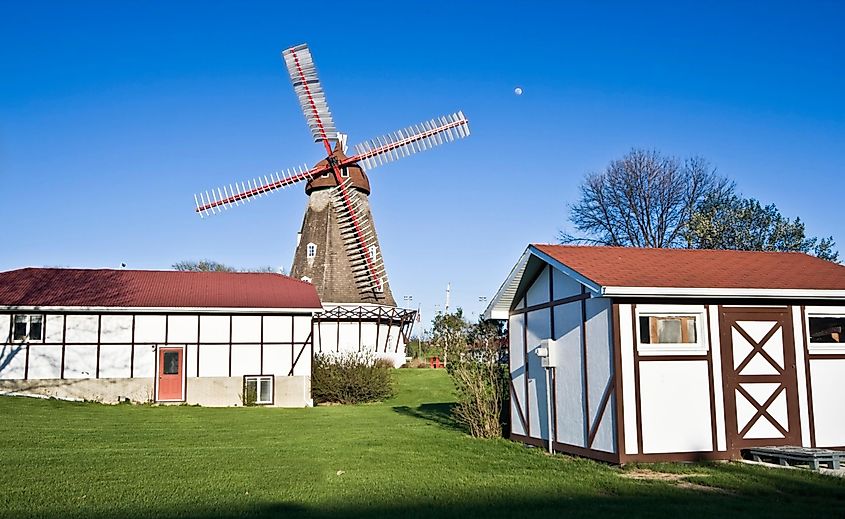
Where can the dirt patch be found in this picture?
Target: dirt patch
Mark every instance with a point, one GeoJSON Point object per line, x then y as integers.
{"type": "Point", "coordinates": [678, 480]}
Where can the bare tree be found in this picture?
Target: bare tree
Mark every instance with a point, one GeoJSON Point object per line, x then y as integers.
{"type": "Point", "coordinates": [644, 199]}
{"type": "Point", "coordinates": [214, 266]}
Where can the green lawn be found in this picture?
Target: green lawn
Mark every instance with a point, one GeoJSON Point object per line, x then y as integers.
{"type": "Point", "coordinates": [401, 458]}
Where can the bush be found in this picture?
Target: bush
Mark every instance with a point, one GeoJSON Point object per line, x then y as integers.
{"type": "Point", "coordinates": [351, 378]}
{"type": "Point", "coordinates": [481, 384]}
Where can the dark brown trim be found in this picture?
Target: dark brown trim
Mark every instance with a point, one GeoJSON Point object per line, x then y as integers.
{"type": "Point", "coordinates": [132, 350]}
{"type": "Point", "coordinates": [293, 364]}
{"type": "Point", "coordinates": [525, 364]}
{"type": "Point", "coordinates": [518, 405]}
{"type": "Point", "coordinates": [360, 331]}
{"type": "Point", "coordinates": [712, 382]}
{"type": "Point", "coordinates": [231, 322]}
{"type": "Point", "coordinates": [637, 396]}
{"type": "Point", "coordinates": [807, 375]}
{"type": "Point", "coordinates": [378, 329]}
{"type": "Point", "coordinates": [64, 344]}
{"type": "Point", "coordinates": [605, 398]}
{"type": "Point", "coordinates": [586, 395]}
{"type": "Point", "coordinates": [292, 336]}
{"type": "Point", "coordinates": [682, 457]}
{"type": "Point", "coordinates": [261, 349]}
{"type": "Point", "coordinates": [558, 302]}
{"type": "Point", "coordinates": [565, 448]}
{"type": "Point", "coordinates": [26, 361]}
{"type": "Point", "coordinates": [619, 390]}
{"type": "Point", "coordinates": [99, 336]}
{"type": "Point", "coordinates": [199, 330]}
{"type": "Point", "coordinates": [826, 356]}
{"type": "Point", "coordinates": [553, 374]}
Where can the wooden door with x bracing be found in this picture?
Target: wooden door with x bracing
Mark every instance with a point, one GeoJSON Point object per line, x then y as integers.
{"type": "Point", "coordinates": [758, 366]}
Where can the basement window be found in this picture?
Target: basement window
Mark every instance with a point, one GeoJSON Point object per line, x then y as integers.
{"type": "Point", "coordinates": [258, 390]}
{"type": "Point", "coordinates": [28, 328]}
{"type": "Point", "coordinates": [670, 333]}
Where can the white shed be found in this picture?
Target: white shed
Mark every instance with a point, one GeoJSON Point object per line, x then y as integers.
{"type": "Point", "coordinates": [668, 354]}
{"type": "Point", "coordinates": [208, 338]}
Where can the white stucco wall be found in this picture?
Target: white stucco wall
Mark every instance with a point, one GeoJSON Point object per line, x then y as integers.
{"type": "Point", "coordinates": [538, 329]}
{"type": "Point", "coordinates": [828, 386]}
{"type": "Point", "coordinates": [675, 400]}
{"type": "Point", "coordinates": [600, 372]}
{"type": "Point", "coordinates": [569, 379]}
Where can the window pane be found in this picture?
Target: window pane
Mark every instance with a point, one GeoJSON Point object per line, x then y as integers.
{"type": "Point", "coordinates": [35, 328]}
{"type": "Point", "coordinates": [827, 329]}
{"type": "Point", "coordinates": [266, 394]}
{"type": "Point", "coordinates": [669, 329]}
{"type": "Point", "coordinates": [645, 336]}
{"type": "Point", "coordinates": [20, 330]}
{"type": "Point", "coordinates": [171, 362]}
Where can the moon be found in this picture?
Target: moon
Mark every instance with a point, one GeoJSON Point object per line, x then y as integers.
{"type": "Point", "coordinates": [517, 91]}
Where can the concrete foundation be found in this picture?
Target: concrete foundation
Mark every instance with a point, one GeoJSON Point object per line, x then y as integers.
{"type": "Point", "coordinates": [205, 391]}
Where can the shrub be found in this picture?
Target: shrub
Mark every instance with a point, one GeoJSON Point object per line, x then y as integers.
{"type": "Point", "coordinates": [481, 384]}
{"type": "Point", "coordinates": [351, 378]}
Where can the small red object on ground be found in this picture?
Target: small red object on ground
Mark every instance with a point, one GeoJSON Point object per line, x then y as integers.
{"type": "Point", "coordinates": [434, 362]}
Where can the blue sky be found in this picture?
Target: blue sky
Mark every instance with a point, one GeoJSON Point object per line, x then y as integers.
{"type": "Point", "coordinates": [113, 114]}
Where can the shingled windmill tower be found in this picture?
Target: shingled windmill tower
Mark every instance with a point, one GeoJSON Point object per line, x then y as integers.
{"type": "Point", "coordinates": [338, 249]}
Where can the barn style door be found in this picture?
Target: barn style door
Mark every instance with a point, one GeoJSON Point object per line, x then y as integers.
{"type": "Point", "coordinates": [758, 363]}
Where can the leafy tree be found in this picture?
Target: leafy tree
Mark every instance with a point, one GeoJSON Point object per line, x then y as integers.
{"type": "Point", "coordinates": [732, 222]}
{"type": "Point", "coordinates": [449, 331]}
{"type": "Point", "coordinates": [644, 199]}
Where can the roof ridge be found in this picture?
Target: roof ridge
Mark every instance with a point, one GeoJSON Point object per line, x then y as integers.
{"type": "Point", "coordinates": [679, 249]}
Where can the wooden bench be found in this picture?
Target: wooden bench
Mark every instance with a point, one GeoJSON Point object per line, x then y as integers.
{"type": "Point", "coordinates": [789, 455]}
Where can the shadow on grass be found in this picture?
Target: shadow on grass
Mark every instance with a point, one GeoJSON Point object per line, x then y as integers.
{"type": "Point", "coordinates": [765, 494]}
{"type": "Point", "coordinates": [440, 414]}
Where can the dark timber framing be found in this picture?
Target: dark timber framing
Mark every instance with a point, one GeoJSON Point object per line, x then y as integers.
{"type": "Point", "coordinates": [400, 318]}
{"type": "Point", "coordinates": [297, 347]}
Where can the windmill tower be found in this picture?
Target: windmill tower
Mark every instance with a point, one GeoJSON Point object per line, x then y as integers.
{"type": "Point", "coordinates": [338, 249]}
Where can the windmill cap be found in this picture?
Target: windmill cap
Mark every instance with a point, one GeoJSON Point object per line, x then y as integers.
{"type": "Point", "coordinates": [327, 180]}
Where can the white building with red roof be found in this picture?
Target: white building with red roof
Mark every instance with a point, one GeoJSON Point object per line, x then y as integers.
{"type": "Point", "coordinates": [208, 338]}
{"type": "Point", "coordinates": [627, 354]}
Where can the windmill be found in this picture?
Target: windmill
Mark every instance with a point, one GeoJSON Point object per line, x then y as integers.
{"type": "Point", "coordinates": [338, 249]}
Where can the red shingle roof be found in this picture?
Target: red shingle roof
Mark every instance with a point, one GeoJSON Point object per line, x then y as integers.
{"type": "Point", "coordinates": [153, 289]}
{"type": "Point", "coordinates": [683, 268]}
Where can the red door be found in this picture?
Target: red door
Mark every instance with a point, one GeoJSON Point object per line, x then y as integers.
{"type": "Point", "coordinates": [170, 374]}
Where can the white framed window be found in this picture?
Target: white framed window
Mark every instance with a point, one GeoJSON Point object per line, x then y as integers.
{"type": "Point", "coordinates": [344, 172]}
{"type": "Point", "coordinates": [825, 329]}
{"type": "Point", "coordinates": [671, 330]}
{"type": "Point", "coordinates": [28, 328]}
{"type": "Point", "coordinates": [305, 278]}
{"type": "Point", "coordinates": [258, 390]}
{"type": "Point", "coordinates": [310, 250]}
{"type": "Point", "coordinates": [373, 253]}
{"type": "Point", "coordinates": [380, 286]}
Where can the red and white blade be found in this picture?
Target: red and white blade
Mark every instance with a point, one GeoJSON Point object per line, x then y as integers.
{"type": "Point", "coordinates": [359, 239]}
{"type": "Point", "coordinates": [312, 99]}
{"type": "Point", "coordinates": [218, 199]}
{"type": "Point", "coordinates": [401, 143]}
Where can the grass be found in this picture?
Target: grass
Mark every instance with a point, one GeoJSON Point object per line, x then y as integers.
{"type": "Point", "coordinates": [403, 457]}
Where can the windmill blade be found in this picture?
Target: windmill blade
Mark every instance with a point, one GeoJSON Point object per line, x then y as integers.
{"type": "Point", "coordinates": [401, 143]}
{"type": "Point", "coordinates": [215, 200]}
{"type": "Point", "coordinates": [312, 99]}
{"type": "Point", "coordinates": [359, 237]}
